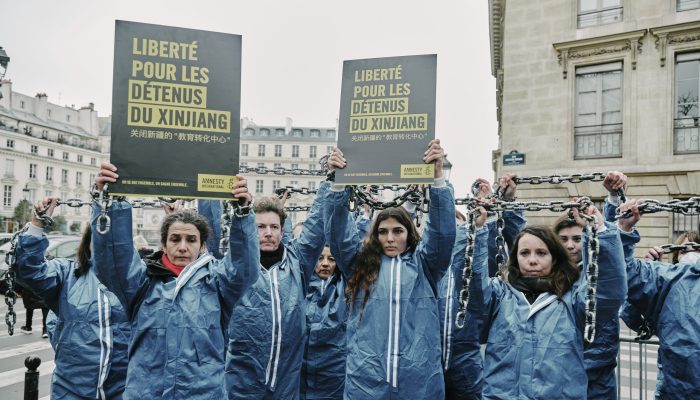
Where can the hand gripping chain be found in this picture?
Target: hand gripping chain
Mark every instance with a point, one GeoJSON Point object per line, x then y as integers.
{"type": "Point", "coordinates": [467, 271]}
{"type": "Point", "coordinates": [685, 207]}
{"type": "Point", "coordinates": [231, 209]}
{"type": "Point", "coordinates": [10, 279]}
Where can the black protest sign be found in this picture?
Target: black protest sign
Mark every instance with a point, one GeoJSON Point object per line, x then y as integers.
{"type": "Point", "coordinates": [175, 111]}
{"type": "Point", "coordinates": [387, 119]}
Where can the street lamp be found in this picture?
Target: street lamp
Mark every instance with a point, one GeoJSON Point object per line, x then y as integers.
{"type": "Point", "coordinates": [25, 191]}
{"type": "Point", "coordinates": [446, 168]}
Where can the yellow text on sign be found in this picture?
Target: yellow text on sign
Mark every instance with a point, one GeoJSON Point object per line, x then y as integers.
{"type": "Point", "coordinates": [417, 171]}
{"type": "Point", "coordinates": [215, 183]}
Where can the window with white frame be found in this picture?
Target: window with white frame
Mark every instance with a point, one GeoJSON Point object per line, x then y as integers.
{"type": "Point", "coordinates": [278, 150]}
{"type": "Point", "coordinates": [261, 150]}
{"type": "Point", "coordinates": [279, 132]}
{"type": "Point", "coordinates": [312, 151]}
{"type": "Point", "coordinates": [312, 167]}
{"type": "Point", "coordinates": [48, 193]}
{"type": "Point", "coordinates": [7, 196]}
{"type": "Point", "coordinates": [275, 184]}
{"type": "Point", "coordinates": [32, 170]}
{"type": "Point", "coordinates": [329, 149]}
{"type": "Point", "coordinates": [80, 158]}
{"type": "Point", "coordinates": [9, 167]}
{"type": "Point", "coordinates": [312, 185]}
{"type": "Point", "coordinates": [314, 133]}
{"type": "Point", "coordinates": [49, 174]}
{"type": "Point", "coordinates": [34, 149]}
{"type": "Point", "coordinates": [244, 149]}
{"type": "Point", "coordinates": [32, 195]}
{"type": "Point", "coordinates": [598, 125]}
{"type": "Point", "coordinates": [686, 134]}
{"type": "Point", "coordinates": [64, 177]}
{"type": "Point", "coordinates": [264, 132]}
{"type": "Point", "coordinates": [78, 178]}
{"type": "Point", "coordinates": [259, 185]}
{"type": "Point", "coordinates": [21, 104]}
{"type": "Point", "coordinates": [93, 161]}
{"type": "Point", "coordinates": [598, 12]}
{"type": "Point", "coordinates": [297, 132]}
{"type": "Point", "coordinates": [10, 144]}
{"type": "Point", "coordinates": [295, 151]}
{"type": "Point", "coordinates": [683, 5]}
{"type": "Point", "coordinates": [65, 156]}
{"type": "Point", "coordinates": [295, 166]}
{"type": "Point", "coordinates": [49, 152]}
{"type": "Point", "coordinates": [278, 165]}
{"type": "Point", "coordinates": [330, 133]}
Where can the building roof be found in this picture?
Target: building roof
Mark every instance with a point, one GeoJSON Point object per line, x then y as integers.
{"type": "Point", "coordinates": [49, 123]}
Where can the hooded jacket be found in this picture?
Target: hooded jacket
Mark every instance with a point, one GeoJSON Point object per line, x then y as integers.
{"type": "Point", "coordinates": [393, 343]}
{"type": "Point", "coordinates": [668, 295]}
{"type": "Point", "coordinates": [91, 332]}
{"type": "Point", "coordinates": [268, 327]}
{"type": "Point", "coordinates": [179, 324]}
{"type": "Point", "coordinates": [530, 353]}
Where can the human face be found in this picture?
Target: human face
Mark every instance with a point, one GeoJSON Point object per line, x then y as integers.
{"type": "Point", "coordinates": [570, 238]}
{"type": "Point", "coordinates": [534, 258]}
{"type": "Point", "coordinates": [326, 264]}
{"type": "Point", "coordinates": [183, 244]}
{"type": "Point", "coordinates": [269, 230]}
{"type": "Point", "coordinates": [392, 236]}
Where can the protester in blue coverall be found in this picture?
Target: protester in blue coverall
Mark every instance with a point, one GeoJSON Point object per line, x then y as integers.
{"type": "Point", "coordinates": [323, 370]}
{"type": "Point", "coordinates": [668, 296]}
{"type": "Point", "coordinates": [533, 317]}
{"type": "Point", "coordinates": [179, 300]}
{"type": "Point", "coordinates": [268, 326]}
{"type": "Point", "coordinates": [90, 333]}
{"type": "Point", "coordinates": [393, 337]}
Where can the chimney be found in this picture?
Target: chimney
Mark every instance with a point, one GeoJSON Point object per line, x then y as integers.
{"type": "Point", "coordinates": [287, 126]}
{"type": "Point", "coordinates": [40, 106]}
{"type": "Point", "coordinates": [6, 93]}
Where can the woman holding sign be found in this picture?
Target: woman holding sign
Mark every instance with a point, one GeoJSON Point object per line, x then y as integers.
{"type": "Point", "coordinates": [392, 329]}
{"type": "Point", "coordinates": [178, 300]}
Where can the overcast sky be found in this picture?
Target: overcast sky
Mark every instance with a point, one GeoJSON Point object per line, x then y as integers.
{"type": "Point", "coordinates": [293, 52]}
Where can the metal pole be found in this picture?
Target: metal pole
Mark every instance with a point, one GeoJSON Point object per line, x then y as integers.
{"type": "Point", "coordinates": [31, 378]}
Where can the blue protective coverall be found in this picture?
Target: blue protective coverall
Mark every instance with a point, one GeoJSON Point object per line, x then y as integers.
{"type": "Point", "coordinates": [530, 353]}
{"type": "Point", "coordinates": [268, 326]}
{"type": "Point", "coordinates": [394, 343]}
{"type": "Point", "coordinates": [461, 353]}
{"type": "Point", "coordinates": [179, 323]}
{"type": "Point", "coordinates": [668, 295]}
{"type": "Point", "coordinates": [91, 331]}
{"type": "Point", "coordinates": [323, 371]}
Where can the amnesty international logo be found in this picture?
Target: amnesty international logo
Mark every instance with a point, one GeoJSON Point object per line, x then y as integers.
{"type": "Point", "coordinates": [215, 183]}
{"type": "Point", "coordinates": [417, 170]}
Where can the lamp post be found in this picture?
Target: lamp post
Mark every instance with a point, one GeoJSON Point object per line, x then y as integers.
{"type": "Point", "coordinates": [25, 192]}
{"type": "Point", "coordinates": [446, 168]}
{"type": "Point", "coordinates": [4, 60]}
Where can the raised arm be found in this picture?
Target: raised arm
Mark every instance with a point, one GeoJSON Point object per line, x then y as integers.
{"type": "Point", "coordinates": [309, 245]}
{"type": "Point", "coordinates": [44, 277]}
{"type": "Point", "coordinates": [611, 287]}
{"type": "Point", "coordinates": [115, 261]}
{"type": "Point", "coordinates": [240, 267]}
{"type": "Point", "coordinates": [340, 231]}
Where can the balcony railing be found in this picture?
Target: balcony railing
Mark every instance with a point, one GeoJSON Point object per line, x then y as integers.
{"type": "Point", "coordinates": [598, 141]}
{"type": "Point", "coordinates": [686, 136]}
{"type": "Point", "coordinates": [599, 17]}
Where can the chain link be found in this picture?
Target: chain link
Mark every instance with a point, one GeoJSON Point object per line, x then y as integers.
{"type": "Point", "coordinates": [500, 243]}
{"type": "Point", "coordinates": [289, 190]}
{"type": "Point", "coordinates": [467, 271]}
{"type": "Point", "coordinates": [281, 171]}
{"type": "Point", "coordinates": [593, 249]}
{"type": "Point", "coordinates": [685, 207]}
{"type": "Point", "coordinates": [685, 247]}
{"type": "Point", "coordinates": [10, 279]}
{"type": "Point", "coordinates": [557, 179]}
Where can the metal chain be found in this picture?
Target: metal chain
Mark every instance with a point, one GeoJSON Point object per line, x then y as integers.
{"type": "Point", "coordinates": [557, 179]}
{"type": "Point", "coordinates": [645, 330]}
{"type": "Point", "coordinates": [360, 197]}
{"type": "Point", "coordinates": [500, 205]}
{"type": "Point", "coordinates": [281, 171]}
{"type": "Point", "coordinates": [10, 279]}
{"type": "Point", "coordinates": [280, 192]}
{"type": "Point", "coordinates": [685, 247]}
{"type": "Point", "coordinates": [685, 207]}
{"type": "Point", "coordinates": [592, 249]}
{"type": "Point", "coordinates": [231, 208]}
{"type": "Point", "coordinates": [500, 242]}
{"type": "Point", "coordinates": [467, 271]}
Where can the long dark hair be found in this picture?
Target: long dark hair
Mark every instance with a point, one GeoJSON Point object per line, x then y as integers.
{"type": "Point", "coordinates": [564, 272]}
{"type": "Point", "coordinates": [83, 254]}
{"type": "Point", "coordinates": [369, 258]}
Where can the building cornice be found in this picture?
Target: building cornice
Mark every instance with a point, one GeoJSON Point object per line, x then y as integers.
{"type": "Point", "coordinates": [627, 42]}
{"type": "Point", "coordinates": [674, 35]}
{"type": "Point", "coordinates": [496, 16]}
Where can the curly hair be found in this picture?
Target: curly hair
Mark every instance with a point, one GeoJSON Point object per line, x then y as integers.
{"type": "Point", "coordinates": [564, 272]}
{"type": "Point", "coordinates": [271, 204]}
{"type": "Point", "coordinates": [186, 217]}
{"type": "Point", "coordinates": [369, 260]}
